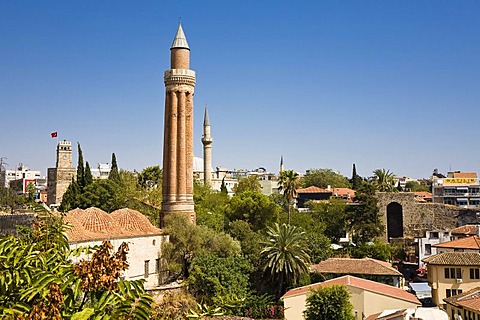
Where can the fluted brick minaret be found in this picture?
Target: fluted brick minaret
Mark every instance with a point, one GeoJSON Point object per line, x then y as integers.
{"type": "Point", "coordinates": [207, 150]}
{"type": "Point", "coordinates": [179, 81]}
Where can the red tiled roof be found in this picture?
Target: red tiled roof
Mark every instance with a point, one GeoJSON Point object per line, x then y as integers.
{"type": "Point", "coordinates": [313, 189]}
{"type": "Point", "coordinates": [466, 230]}
{"type": "Point", "coordinates": [423, 194]}
{"type": "Point", "coordinates": [133, 220]}
{"type": "Point", "coordinates": [454, 259]}
{"type": "Point", "coordinates": [465, 175]}
{"type": "Point", "coordinates": [355, 266]}
{"type": "Point", "coordinates": [469, 299]}
{"type": "Point", "coordinates": [368, 285]}
{"type": "Point", "coordinates": [96, 224]}
{"type": "Point", "coordinates": [472, 242]}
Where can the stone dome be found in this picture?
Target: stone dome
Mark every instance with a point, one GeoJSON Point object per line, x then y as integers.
{"type": "Point", "coordinates": [94, 219]}
{"type": "Point", "coordinates": [133, 220]}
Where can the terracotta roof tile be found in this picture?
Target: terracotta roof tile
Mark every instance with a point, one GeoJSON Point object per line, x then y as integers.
{"type": "Point", "coordinates": [465, 175]}
{"type": "Point", "coordinates": [95, 224]}
{"type": "Point", "coordinates": [466, 230]}
{"type": "Point", "coordinates": [423, 194]}
{"type": "Point", "coordinates": [472, 242]}
{"type": "Point", "coordinates": [133, 220]}
{"type": "Point", "coordinates": [355, 266]}
{"type": "Point", "coordinates": [455, 259]}
{"type": "Point", "coordinates": [313, 189]}
{"type": "Point", "coordinates": [368, 285]}
{"type": "Point", "coordinates": [469, 299]}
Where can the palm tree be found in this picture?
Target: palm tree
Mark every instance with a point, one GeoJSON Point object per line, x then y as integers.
{"type": "Point", "coordinates": [288, 183]}
{"type": "Point", "coordinates": [285, 255]}
{"type": "Point", "coordinates": [384, 180]}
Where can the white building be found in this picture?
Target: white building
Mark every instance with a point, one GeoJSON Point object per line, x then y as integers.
{"type": "Point", "coordinates": [101, 171]}
{"type": "Point", "coordinates": [460, 189]}
{"type": "Point", "coordinates": [22, 172]}
{"type": "Point", "coordinates": [426, 244]}
{"type": "Point", "coordinates": [91, 226]}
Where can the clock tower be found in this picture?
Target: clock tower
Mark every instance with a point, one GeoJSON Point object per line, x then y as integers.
{"type": "Point", "coordinates": [59, 178]}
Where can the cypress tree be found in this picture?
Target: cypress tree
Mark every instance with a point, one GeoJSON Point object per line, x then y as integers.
{"type": "Point", "coordinates": [71, 197]}
{"type": "Point", "coordinates": [88, 175]}
{"type": "Point", "coordinates": [80, 169]}
{"type": "Point", "coordinates": [223, 187]}
{"type": "Point", "coordinates": [356, 179]}
{"type": "Point", "coordinates": [114, 175]}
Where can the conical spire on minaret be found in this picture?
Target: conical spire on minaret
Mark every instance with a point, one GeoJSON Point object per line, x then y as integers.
{"type": "Point", "coordinates": [207, 149]}
{"type": "Point", "coordinates": [206, 120]}
{"type": "Point", "coordinates": [180, 40]}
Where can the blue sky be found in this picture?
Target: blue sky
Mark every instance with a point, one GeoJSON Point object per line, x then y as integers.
{"type": "Point", "coordinates": [383, 84]}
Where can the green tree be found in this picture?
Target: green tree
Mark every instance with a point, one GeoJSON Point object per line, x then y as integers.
{"type": "Point", "coordinates": [356, 179]}
{"type": "Point", "coordinates": [188, 240]}
{"type": "Point", "coordinates": [333, 214]}
{"type": "Point", "coordinates": [363, 218]}
{"type": "Point", "coordinates": [209, 206]}
{"type": "Point", "coordinates": [384, 180]}
{"type": "Point", "coordinates": [8, 199]}
{"type": "Point", "coordinates": [288, 184]}
{"type": "Point", "coordinates": [88, 175]}
{"type": "Point", "coordinates": [38, 280]}
{"type": "Point", "coordinates": [80, 168]}
{"type": "Point", "coordinates": [71, 198]}
{"type": "Point", "coordinates": [257, 209]}
{"type": "Point", "coordinates": [151, 178]}
{"type": "Point", "coordinates": [103, 194]}
{"type": "Point", "coordinates": [114, 174]}
{"type": "Point", "coordinates": [223, 187]}
{"type": "Point", "coordinates": [323, 178]}
{"type": "Point", "coordinates": [329, 302]}
{"type": "Point", "coordinates": [375, 250]}
{"type": "Point", "coordinates": [414, 186]}
{"type": "Point", "coordinates": [249, 183]}
{"type": "Point", "coordinates": [31, 192]}
{"type": "Point", "coordinates": [213, 277]}
{"type": "Point", "coordinates": [285, 255]}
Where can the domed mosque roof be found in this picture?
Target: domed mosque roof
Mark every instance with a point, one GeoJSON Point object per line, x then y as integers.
{"type": "Point", "coordinates": [95, 224]}
{"type": "Point", "coordinates": [133, 220]}
{"type": "Point", "coordinates": [198, 165]}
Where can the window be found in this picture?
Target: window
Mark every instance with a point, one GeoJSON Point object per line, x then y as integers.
{"type": "Point", "coordinates": [147, 271]}
{"type": "Point", "coordinates": [157, 265]}
{"type": "Point", "coordinates": [453, 273]}
{"type": "Point", "coordinates": [453, 292]}
{"type": "Point", "coordinates": [474, 273]}
{"type": "Point", "coordinates": [433, 235]}
{"type": "Point", "coordinates": [428, 249]}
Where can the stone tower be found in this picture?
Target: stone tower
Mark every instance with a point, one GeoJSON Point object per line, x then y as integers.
{"type": "Point", "coordinates": [179, 81]}
{"type": "Point", "coordinates": [207, 150]}
{"type": "Point", "coordinates": [59, 178]}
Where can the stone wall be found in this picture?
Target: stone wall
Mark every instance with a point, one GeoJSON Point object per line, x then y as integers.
{"type": "Point", "coordinates": [419, 217]}
{"type": "Point", "coordinates": [8, 222]}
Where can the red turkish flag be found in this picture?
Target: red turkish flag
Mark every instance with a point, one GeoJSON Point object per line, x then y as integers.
{"type": "Point", "coordinates": [54, 134]}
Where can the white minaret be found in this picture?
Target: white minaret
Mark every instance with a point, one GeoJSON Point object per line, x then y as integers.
{"type": "Point", "coordinates": [207, 150]}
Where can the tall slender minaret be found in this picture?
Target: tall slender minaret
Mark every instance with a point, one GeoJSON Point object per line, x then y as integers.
{"type": "Point", "coordinates": [207, 150]}
{"type": "Point", "coordinates": [281, 165]}
{"type": "Point", "coordinates": [178, 132]}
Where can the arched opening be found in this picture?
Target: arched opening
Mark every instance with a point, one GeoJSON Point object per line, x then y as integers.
{"type": "Point", "coordinates": [394, 221]}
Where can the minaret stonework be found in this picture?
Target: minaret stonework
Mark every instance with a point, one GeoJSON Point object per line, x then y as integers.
{"type": "Point", "coordinates": [179, 81]}
{"type": "Point", "coordinates": [207, 150]}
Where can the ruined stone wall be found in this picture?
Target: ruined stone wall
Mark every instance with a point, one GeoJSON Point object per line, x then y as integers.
{"type": "Point", "coordinates": [8, 222]}
{"type": "Point", "coordinates": [419, 217]}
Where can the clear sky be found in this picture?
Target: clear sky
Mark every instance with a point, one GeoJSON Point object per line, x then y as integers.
{"type": "Point", "coordinates": [383, 84]}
